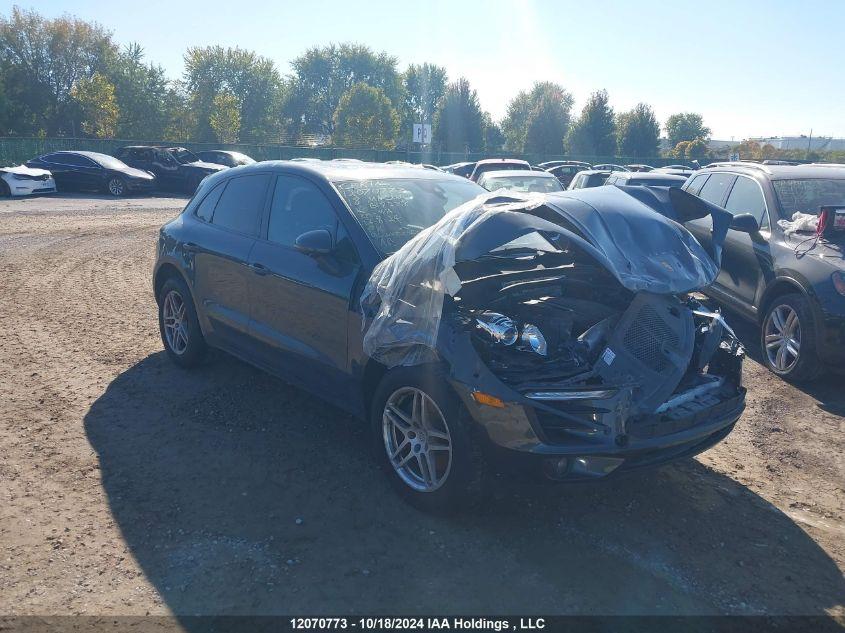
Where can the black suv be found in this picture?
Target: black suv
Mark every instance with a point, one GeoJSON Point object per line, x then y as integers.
{"type": "Point", "coordinates": [791, 283]}
{"type": "Point", "coordinates": [175, 168]}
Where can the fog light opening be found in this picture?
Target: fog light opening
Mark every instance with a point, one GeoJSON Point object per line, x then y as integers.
{"type": "Point", "coordinates": [556, 467]}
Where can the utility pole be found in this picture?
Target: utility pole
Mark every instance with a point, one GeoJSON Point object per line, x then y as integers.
{"type": "Point", "coordinates": [809, 143]}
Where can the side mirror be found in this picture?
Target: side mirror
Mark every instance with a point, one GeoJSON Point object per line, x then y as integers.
{"type": "Point", "coordinates": [745, 223]}
{"type": "Point", "coordinates": [317, 242]}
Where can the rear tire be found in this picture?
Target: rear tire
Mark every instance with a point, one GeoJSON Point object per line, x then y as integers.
{"type": "Point", "coordinates": [5, 191]}
{"type": "Point", "coordinates": [193, 184]}
{"type": "Point", "coordinates": [445, 482]}
{"type": "Point", "coordinates": [788, 339]}
{"type": "Point", "coordinates": [178, 324]}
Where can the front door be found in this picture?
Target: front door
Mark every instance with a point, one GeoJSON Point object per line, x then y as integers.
{"type": "Point", "coordinates": [301, 301]}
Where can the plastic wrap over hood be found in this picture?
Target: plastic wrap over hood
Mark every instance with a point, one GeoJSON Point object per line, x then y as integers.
{"type": "Point", "coordinates": [403, 299]}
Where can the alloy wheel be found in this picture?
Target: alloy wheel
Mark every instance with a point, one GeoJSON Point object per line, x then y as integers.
{"type": "Point", "coordinates": [175, 322]}
{"type": "Point", "coordinates": [116, 187]}
{"type": "Point", "coordinates": [782, 338]}
{"type": "Point", "coordinates": [417, 439]}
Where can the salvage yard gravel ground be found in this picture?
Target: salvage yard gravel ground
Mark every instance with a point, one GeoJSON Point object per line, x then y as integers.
{"type": "Point", "coordinates": [128, 486]}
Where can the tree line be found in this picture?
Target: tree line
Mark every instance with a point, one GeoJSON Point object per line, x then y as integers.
{"type": "Point", "coordinates": [68, 77]}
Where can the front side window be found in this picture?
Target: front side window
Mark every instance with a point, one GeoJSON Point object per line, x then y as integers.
{"type": "Point", "coordinates": [184, 156]}
{"type": "Point", "coordinates": [298, 207]}
{"type": "Point", "coordinates": [746, 197]}
{"type": "Point", "coordinates": [715, 188]}
{"type": "Point", "coordinates": [241, 203]}
{"type": "Point", "coordinates": [392, 211]}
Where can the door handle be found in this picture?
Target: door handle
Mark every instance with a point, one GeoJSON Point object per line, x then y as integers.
{"type": "Point", "coordinates": [259, 269]}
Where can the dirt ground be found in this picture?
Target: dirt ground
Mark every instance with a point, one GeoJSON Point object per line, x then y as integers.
{"type": "Point", "coordinates": [128, 486]}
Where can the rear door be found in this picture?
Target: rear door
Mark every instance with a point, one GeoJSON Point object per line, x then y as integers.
{"type": "Point", "coordinates": [302, 301]}
{"type": "Point", "coordinates": [231, 213]}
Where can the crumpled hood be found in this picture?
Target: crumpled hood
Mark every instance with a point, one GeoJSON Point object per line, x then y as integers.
{"type": "Point", "coordinates": [26, 171]}
{"type": "Point", "coordinates": [643, 249]}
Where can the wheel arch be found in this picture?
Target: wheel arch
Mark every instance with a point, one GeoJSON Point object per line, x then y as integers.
{"type": "Point", "coordinates": [164, 272]}
{"type": "Point", "coordinates": [780, 287]}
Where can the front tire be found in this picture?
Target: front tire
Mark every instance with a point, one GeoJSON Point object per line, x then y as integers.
{"type": "Point", "coordinates": [5, 190]}
{"type": "Point", "coordinates": [423, 439]}
{"type": "Point", "coordinates": [117, 187]}
{"type": "Point", "coordinates": [178, 324]}
{"type": "Point", "coordinates": [788, 339]}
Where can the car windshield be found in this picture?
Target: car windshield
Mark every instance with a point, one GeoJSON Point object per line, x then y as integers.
{"type": "Point", "coordinates": [806, 195]}
{"type": "Point", "coordinates": [523, 183]}
{"type": "Point", "coordinates": [392, 211]}
{"type": "Point", "coordinates": [184, 156]}
{"type": "Point", "coordinates": [109, 162]}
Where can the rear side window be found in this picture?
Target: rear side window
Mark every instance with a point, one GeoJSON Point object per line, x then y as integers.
{"type": "Point", "coordinates": [746, 197]}
{"type": "Point", "coordinates": [298, 207]}
{"type": "Point", "coordinates": [205, 210]}
{"type": "Point", "coordinates": [715, 188]}
{"type": "Point", "coordinates": [240, 204]}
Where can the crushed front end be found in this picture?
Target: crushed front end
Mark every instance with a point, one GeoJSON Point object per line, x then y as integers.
{"type": "Point", "coordinates": [569, 326]}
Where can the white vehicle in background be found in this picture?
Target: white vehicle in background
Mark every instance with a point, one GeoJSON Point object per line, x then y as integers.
{"type": "Point", "coordinates": [25, 181]}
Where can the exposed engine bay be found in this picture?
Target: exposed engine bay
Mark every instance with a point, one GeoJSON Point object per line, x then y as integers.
{"type": "Point", "coordinates": [580, 329]}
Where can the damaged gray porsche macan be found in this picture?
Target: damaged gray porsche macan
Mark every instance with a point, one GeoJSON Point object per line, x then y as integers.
{"type": "Point", "coordinates": [565, 326]}
{"type": "Point", "coordinates": [555, 330]}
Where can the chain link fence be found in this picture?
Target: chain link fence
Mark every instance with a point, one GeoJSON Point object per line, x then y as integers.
{"type": "Point", "coordinates": [16, 150]}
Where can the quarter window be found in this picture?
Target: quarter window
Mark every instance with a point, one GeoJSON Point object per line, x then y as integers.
{"type": "Point", "coordinates": [298, 207]}
{"type": "Point", "coordinates": [746, 197]}
{"type": "Point", "coordinates": [714, 189]}
{"type": "Point", "coordinates": [205, 210]}
{"type": "Point", "coordinates": [697, 183]}
{"type": "Point", "coordinates": [241, 203]}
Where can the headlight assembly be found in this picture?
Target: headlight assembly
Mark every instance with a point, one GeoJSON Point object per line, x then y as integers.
{"type": "Point", "coordinates": [504, 331]}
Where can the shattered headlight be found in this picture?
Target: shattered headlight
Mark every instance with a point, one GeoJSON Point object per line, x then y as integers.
{"type": "Point", "coordinates": [503, 330]}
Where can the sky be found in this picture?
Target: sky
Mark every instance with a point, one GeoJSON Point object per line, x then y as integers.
{"type": "Point", "coordinates": [751, 68]}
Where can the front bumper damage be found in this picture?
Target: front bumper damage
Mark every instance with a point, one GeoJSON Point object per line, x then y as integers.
{"type": "Point", "coordinates": [574, 433]}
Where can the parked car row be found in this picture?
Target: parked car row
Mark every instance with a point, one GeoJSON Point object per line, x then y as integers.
{"type": "Point", "coordinates": [133, 169]}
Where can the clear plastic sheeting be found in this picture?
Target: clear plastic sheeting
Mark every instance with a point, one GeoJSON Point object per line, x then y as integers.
{"type": "Point", "coordinates": [406, 290]}
{"type": "Point", "coordinates": [800, 222]}
{"type": "Point", "coordinates": [404, 297]}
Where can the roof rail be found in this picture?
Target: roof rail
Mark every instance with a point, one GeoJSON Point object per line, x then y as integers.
{"type": "Point", "coordinates": [741, 163]}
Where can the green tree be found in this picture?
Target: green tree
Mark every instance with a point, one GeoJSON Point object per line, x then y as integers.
{"type": "Point", "coordinates": [322, 75]}
{"type": "Point", "coordinates": [365, 117]}
{"type": "Point", "coordinates": [685, 126]}
{"type": "Point", "coordinates": [698, 148]}
{"type": "Point", "coordinates": [594, 132]}
{"type": "Point", "coordinates": [546, 104]}
{"type": "Point", "coordinates": [225, 117]}
{"type": "Point", "coordinates": [141, 91]}
{"type": "Point", "coordinates": [494, 140]}
{"type": "Point", "coordinates": [423, 87]}
{"type": "Point", "coordinates": [638, 133]}
{"type": "Point", "coordinates": [97, 105]}
{"type": "Point", "coordinates": [41, 60]}
{"type": "Point", "coordinates": [547, 127]}
{"type": "Point", "coordinates": [459, 122]}
{"type": "Point", "coordinates": [181, 119]}
{"type": "Point", "coordinates": [680, 150]}
{"type": "Point", "coordinates": [253, 80]}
